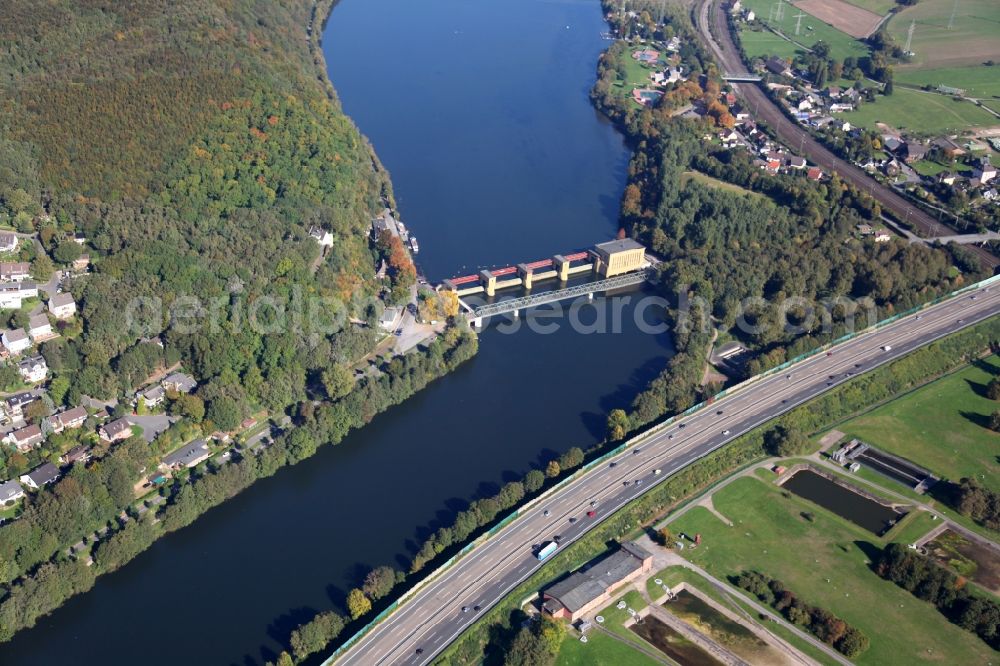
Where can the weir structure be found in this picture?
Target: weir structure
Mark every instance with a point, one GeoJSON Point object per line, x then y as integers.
{"type": "Point", "coordinates": [618, 263]}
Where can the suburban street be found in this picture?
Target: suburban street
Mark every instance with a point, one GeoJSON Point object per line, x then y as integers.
{"type": "Point", "coordinates": [432, 617]}
{"type": "Point", "coordinates": [712, 24]}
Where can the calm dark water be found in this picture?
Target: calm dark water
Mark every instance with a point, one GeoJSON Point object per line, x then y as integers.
{"type": "Point", "coordinates": [869, 514]}
{"type": "Point", "coordinates": [479, 110]}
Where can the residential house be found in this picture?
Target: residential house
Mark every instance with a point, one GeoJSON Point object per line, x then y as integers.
{"type": "Point", "coordinates": [840, 107]}
{"type": "Point", "coordinates": [79, 453]}
{"type": "Point", "coordinates": [10, 491]}
{"type": "Point", "coordinates": [8, 241]}
{"type": "Point", "coordinates": [777, 65]}
{"type": "Point", "coordinates": [39, 327]}
{"type": "Point", "coordinates": [115, 431]}
{"type": "Point", "coordinates": [986, 171]}
{"type": "Point", "coordinates": [729, 137]}
{"type": "Point", "coordinates": [10, 296]}
{"type": "Point", "coordinates": [591, 588]}
{"type": "Point", "coordinates": [797, 162]}
{"type": "Point", "coordinates": [882, 235]}
{"type": "Point", "coordinates": [388, 318]}
{"type": "Point", "coordinates": [188, 455]}
{"type": "Point", "coordinates": [33, 369]}
{"type": "Point", "coordinates": [14, 405]}
{"type": "Point", "coordinates": [321, 236]}
{"type": "Point", "coordinates": [27, 289]}
{"type": "Point", "coordinates": [814, 173]}
{"type": "Point", "coordinates": [947, 177]}
{"type": "Point", "coordinates": [26, 438]}
{"type": "Point", "coordinates": [865, 229]}
{"type": "Point", "coordinates": [70, 418]}
{"type": "Point", "coordinates": [15, 341]}
{"type": "Point", "coordinates": [948, 147]}
{"type": "Point", "coordinates": [62, 305]}
{"type": "Point", "coordinates": [891, 143]}
{"type": "Point", "coordinates": [81, 263]}
{"type": "Point", "coordinates": [153, 396]}
{"type": "Point", "coordinates": [14, 271]}
{"type": "Point", "coordinates": [180, 383]}
{"type": "Point", "coordinates": [914, 151]}
{"type": "Point", "coordinates": [40, 476]}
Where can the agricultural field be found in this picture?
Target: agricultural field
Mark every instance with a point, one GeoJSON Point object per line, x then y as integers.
{"type": "Point", "coordinates": [812, 29]}
{"type": "Point", "coordinates": [974, 36]}
{"type": "Point", "coordinates": [880, 7]}
{"type": "Point", "coordinates": [921, 113]}
{"type": "Point", "coordinates": [847, 17]}
{"type": "Point", "coordinates": [940, 426]}
{"type": "Point", "coordinates": [825, 560]}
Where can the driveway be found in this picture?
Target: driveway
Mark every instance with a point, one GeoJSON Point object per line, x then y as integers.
{"type": "Point", "coordinates": [152, 425]}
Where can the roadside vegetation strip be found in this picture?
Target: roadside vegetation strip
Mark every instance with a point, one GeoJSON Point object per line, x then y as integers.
{"type": "Point", "coordinates": [666, 423]}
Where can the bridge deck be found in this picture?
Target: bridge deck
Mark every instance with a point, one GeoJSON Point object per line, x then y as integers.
{"type": "Point", "coordinates": [512, 304]}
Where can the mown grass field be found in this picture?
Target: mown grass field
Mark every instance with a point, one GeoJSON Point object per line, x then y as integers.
{"type": "Point", "coordinates": [813, 30]}
{"type": "Point", "coordinates": [600, 649]}
{"type": "Point", "coordinates": [920, 112]}
{"type": "Point", "coordinates": [940, 426]}
{"type": "Point", "coordinates": [709, 181]}
{"type": "Point", "coordinates": [973, 38]}
{"type": "Point", "coordinates": [763, 43]}
{"type": "Point", "coordinates": [825, 561]}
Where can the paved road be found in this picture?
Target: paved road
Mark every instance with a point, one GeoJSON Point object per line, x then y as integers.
{"type": "Point", "coordinates": [714, 28]}
{"type": "Point", "coordinates": [432, 617]}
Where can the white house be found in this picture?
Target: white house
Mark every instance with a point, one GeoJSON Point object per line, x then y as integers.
{"type": "Point", "coordinates": [14, 271]}
{"type": "Point", "coordinates": [40, 476]}
{"type": "Point", "coordinates": [16, 341]}
{"type": "Point", "coordinates": [8, 241]}
{"type": "Point", "coordinates": [10, 491]}
{"type": "Point", "coordinates": [25, 439]}
{"type": "Point", "coordinates": [62, 305]}
{"type": "Point", "coordinates": [10, 296]}
{"type": "Point", "coordinates": [882, 236]}
{"type": "Point", "coordinates": [33, 369]}
{"type": "Point", "coordinates": [321, 236]}
{"type": "Point", "coordinates": [39, 327]}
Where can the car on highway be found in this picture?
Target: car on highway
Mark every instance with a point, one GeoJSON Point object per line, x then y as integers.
{"type": "Point", "coordinates": [637, 452]}
{"type": "Point", "coordinates": [886, 348]}
{"type": "Point", "coordinates": [546, 513]}
{"type": "Point", "coordinates": [593, 502]}
{"type": "Point", "coordinates": [476, 609]}
{"type": "Point", "coordinates": [572, 520]}
{"type": "Point", "coordinates": [638, 482]}
{"type": "Point", "coordinates": [830, 353]}
{"type": "Point", "coordinates": [657, 471]}
{"type": "Point", "coordinates": [420, 651]}
{"type": "Point", "coordinates": [718, 412]}
{"type": "Point", "coordinates": [612, 465]}
{"type": "Point", "coordinates": [465, 609]}
{"type": "Point", "coordinates": [725, 432]}
{"type": "Point", "coordinates": [591, 514]}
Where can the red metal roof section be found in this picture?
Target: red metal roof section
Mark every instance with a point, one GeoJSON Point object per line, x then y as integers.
{"type": "Point", "coordinates": [541, 263]}
{"type": "Point", "coordinates": [577, 256]}
{"type": "Point", "coordinates": [504, 271]}
{"type": "Point", "coordinates": [465, 279]}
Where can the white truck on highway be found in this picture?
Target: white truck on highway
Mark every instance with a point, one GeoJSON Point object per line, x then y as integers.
{"type": "Point", "coordinates": [546, 550]}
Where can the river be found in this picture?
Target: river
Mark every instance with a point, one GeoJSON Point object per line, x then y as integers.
{"type": "Point", "coordinates": [479, 110]}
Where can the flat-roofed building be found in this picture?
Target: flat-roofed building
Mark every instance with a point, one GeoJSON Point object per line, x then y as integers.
{"type": "Point", "coordinates": [620, 256]}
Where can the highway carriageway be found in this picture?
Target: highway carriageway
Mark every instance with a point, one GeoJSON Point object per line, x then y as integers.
{"type": "Point", "coordinates": [432, 617]}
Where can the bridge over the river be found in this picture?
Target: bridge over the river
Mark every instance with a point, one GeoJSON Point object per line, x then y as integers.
{"type": "Point", "coordinates": [618, 263]}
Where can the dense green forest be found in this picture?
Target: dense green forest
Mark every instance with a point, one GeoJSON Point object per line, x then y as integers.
{"type": "Point", "coordinates": [192, 144]}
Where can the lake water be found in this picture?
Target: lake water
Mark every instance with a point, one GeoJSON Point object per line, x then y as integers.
{"type": "Point", "coordinates": [480, 112]}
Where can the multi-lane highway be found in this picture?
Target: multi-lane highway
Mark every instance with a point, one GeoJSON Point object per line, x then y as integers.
{"type": "Point", "coordinates": [714, 28]}
{"type": "Point", "coordinates": [439, 611]}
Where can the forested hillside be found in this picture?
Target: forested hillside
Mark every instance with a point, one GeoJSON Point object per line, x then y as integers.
{"type": "Point", "coordinates": [193, 143]}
